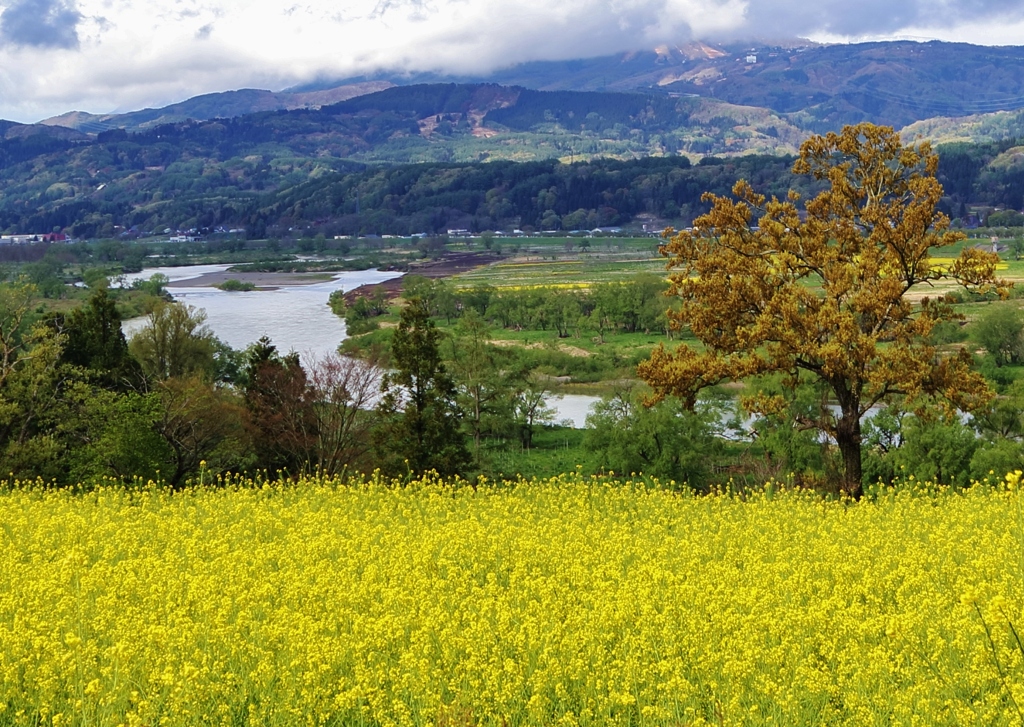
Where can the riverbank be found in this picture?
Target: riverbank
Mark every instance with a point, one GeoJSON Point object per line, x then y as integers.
{"type": "Point", "coordinates": [452, 263]}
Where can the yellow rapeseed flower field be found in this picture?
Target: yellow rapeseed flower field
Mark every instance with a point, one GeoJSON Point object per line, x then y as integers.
{"type": "Point", "coordinates": [561, 602]}
{"type": "Point", "coordinates": [946, 262]}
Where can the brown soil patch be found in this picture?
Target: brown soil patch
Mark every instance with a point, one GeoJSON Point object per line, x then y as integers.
{"type": "Point", "coordinates": [574, 350]}
{"type": "Point", "coordinates": [451, 264]}
{"type": "Point", "coordinates": [563, 347]}
{"type": "Point", "coordinates": [427, 126]}
{"type": "Point", "coordinates": [503, 343]}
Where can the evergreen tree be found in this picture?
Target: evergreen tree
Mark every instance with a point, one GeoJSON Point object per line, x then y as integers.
{"type": "Point", "coordinates": [94, 341]}
{"type": "Point", "coordinates": [420, 419]}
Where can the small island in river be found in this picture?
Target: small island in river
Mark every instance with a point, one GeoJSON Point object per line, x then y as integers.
{"type": "Point", "coordinates": [260, 281]}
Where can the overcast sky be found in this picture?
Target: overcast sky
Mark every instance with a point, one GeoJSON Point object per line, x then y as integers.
{"type": "Point", "coordinates": [119, 55]}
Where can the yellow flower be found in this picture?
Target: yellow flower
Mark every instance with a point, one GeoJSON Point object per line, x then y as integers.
{"type": "Point", "coordinates": [572, 600]}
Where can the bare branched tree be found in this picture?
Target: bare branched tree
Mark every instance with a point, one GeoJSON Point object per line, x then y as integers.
{"type": "Point", "coordinates": [343, 392]}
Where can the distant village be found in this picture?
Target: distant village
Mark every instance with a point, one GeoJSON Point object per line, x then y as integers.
{"type": "Point", "coordinates": [196, 235]}
{"type": "Point", "coordinates": [647, 226]}
{"type": "Point", "coordinates": [29, 239]}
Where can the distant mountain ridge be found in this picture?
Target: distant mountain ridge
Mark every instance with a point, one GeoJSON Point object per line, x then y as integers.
{"type": "Point", "coordinates": [222, 159]}
{"type": "Point", "coordinates": [894, 83]}
{"type": "Point", "coordinates": [274, 172]}
{"type": "Point", "coordinates": [222, 171]}
{"type": "Point", "coordinates": [227, 104]}
{"type": "Point", "coordinates": [814, 87]}
{"type": "Point", "coordinates": [821, 87]}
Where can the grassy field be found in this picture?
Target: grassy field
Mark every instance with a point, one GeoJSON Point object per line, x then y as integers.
{"type": "Point", "coordinates": [558, 261]}
{"type": "Point", "coordinates": [554, 450]}
{"type": "Point", "coordinates": [564, 601]}
{"type": "Point", "coordinates": [580, 364]}
{"type": "Point", "coordinates": [587, 363]}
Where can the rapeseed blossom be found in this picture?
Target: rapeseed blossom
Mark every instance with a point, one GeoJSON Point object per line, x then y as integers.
{"type": "Point", "coordinates": [574, 601]}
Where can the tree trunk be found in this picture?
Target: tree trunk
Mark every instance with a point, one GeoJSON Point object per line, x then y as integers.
{"type": "Point", "coordinates": [476, 420]}
{"type": "Point", "coordinates": [848, 439]}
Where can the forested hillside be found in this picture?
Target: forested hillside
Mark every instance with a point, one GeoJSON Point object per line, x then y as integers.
{"type": "Point", "coordinates": [237, 171]}
{"type": "Point", "coordinates": [544, 195]}
{"type": "Point", "coordinates": [406, 160]}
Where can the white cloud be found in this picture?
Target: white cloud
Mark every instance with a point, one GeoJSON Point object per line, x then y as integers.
{"type": "Point", "coordinates": [979, 33]}
{"type": "Point", "coordinates": [132, 54]}
{"type": "Point", "coordinates": [40, 24]}
{"type": "Point", "coordinates": [878, 19]}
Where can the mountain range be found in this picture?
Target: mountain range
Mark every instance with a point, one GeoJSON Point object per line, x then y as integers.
{"type": "Point", "coordinates": [818, 87]}
{"type": "Point", "coordinates": [215, 105]}
{"type": "Point", "coordinates": [233, 158]}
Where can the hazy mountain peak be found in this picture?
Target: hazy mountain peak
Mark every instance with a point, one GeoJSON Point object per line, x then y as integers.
{"type": "Point", "coordinates": [819, 87]}
{"type": "Point", "coordinates": [225, 104]}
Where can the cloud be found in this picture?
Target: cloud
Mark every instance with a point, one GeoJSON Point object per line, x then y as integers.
{"type": "Point", "coordinates": [133, 54]}
{"type": "Point", "coordinates": [872, 18]}
{"type": "Point", "coordinates": [41, 23]}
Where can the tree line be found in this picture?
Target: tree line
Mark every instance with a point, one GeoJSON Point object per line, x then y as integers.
{"type": "Point", "coordinates": [633, 305]}
{"type": "Point", "coordinates": [80, 403]}
{"type": "Point", "coordinates": [711, 439]}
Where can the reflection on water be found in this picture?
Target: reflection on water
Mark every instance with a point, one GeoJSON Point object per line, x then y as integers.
{"type": "Point", "coordinates": [572, 408]}
{"type": "Point", "coordinates": [294, 317]}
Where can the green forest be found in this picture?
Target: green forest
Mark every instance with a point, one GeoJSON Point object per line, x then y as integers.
{"type": "Point", "coordinates": [432, 198]}
{"type": "Point", "coordinates": [555, 161]}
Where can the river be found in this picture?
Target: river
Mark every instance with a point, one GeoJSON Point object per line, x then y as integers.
{"type": "Point", "coordinates": [295, 318]}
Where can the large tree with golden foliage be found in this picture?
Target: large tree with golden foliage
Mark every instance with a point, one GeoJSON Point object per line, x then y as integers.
{"type": "Point", "coordinates": [829, 292]}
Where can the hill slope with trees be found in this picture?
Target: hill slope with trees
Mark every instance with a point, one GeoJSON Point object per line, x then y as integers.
{"type": "Point", "coordinates": [406, 160]}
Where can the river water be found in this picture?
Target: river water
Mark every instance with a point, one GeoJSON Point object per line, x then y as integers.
{"type": "Point", "coordinates": [295, 318]}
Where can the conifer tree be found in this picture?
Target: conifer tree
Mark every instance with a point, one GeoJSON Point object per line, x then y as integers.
{"type": "Point", "coordinates": [420, 428]}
